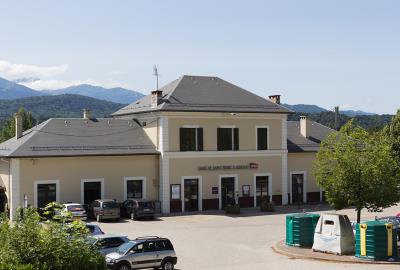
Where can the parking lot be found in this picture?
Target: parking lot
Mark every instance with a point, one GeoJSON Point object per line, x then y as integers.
{"type": "Point", "coordinates": [212, 240]}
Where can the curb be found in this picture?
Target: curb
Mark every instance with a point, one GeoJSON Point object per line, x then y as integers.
{"type": "Point", "coordinates": [280, 251]}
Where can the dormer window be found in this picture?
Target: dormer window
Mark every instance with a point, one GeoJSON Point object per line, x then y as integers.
{"type": "Point", "coordinates": [191, 138]}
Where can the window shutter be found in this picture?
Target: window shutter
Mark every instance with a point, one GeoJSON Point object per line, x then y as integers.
{"type": "Point", "coordinates": [199, 139]}
{"type": "Point", "coordinates": [236, 139]}
{"type": "Point", "coordinates": [181, 142]}
{"type": "Point", "coordinates": [219, 139]}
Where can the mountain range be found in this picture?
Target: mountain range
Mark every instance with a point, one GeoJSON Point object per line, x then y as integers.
{"type": "Point", "coordinates": [13, 90]}
{"type": "Point", "coordinates": [117, 94]}
{"type": "Point", "coordinates": [305, 108]}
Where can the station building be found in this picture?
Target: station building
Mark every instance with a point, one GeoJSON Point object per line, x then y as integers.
{"type": "Point", "coordinates": [196, 144]}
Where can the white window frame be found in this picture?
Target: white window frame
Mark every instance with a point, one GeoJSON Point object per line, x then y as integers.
{"type": "Point", "coordinates": [83, 181]}
{"type": "Point", "coordinates": [268, 139]}
{"type": "Point", "coordinates": [44, 182]}
{"type": "Point", "coordinates": [196, 127]}
{"type": "Point", "coordinates": [232, 127]}
{"type": "Point", "coordinates": [255, 186]}
{"type": "Point", "coordinates": [304, 173]}
{"type": "Point", "coordinates": [200, 195]}
{"type": "Point", "coordinates": [135, 178]}
{"type": "Point", "coordinates": [236, 177]}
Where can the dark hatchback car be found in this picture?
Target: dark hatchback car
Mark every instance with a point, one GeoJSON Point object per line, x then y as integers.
{"type": "Point", "coordinates": [136, 208]}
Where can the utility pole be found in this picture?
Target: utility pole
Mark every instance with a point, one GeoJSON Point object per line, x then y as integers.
{"type": "Point", "coordinates": [155, 69]}
{"type": "Point", "coordinates": [336, 117]}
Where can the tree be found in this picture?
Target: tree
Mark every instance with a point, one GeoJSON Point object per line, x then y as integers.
{"type": "Point", "coordinates": [356, 168]}
{"type": "Point", "coordinates": [8, 130]}
{"type": "Point", "coordinates": [30, 244]}
{"type": "Point", "coordinates": [393, 132]}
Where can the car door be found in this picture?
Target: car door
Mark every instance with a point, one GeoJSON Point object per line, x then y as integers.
{"type": "Point", "coordinates": [140, 259]}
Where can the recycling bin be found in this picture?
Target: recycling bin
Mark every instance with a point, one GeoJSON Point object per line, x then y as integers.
{"type": "Point", "coordinates": [376, 240]}
{"type": "Point", "coordinates": [300, 229]}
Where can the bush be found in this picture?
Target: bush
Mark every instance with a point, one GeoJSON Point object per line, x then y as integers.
{"type": "Point", "coordinates": [232, 209]}
{"type": "Point", "coordinates": [266, 205]}
{"type": "Point", "coordinates": [29, 244]}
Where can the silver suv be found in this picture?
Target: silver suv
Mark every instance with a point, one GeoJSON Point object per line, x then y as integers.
{"type": "Point", "coordinates": [143, 252]}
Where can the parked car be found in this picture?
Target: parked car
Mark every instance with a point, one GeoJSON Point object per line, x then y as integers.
{"type": "Point", "coordinates": [143, 252]}
{"type": "Point", "coordinates": [107, 243]}
{"type": "Point", "coordinates": [77, 210]}
{"type": "Point", "coordinates": [134, 208]}
{"type": "Point", "coordinates": [104, 209]}
{"type": "Point", "coordinates": [94, 229]}
{"type": "Point", "coordinates": [393, 220]}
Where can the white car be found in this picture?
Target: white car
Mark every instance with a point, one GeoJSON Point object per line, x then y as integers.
{"type": "Point", "coordinates": [77, 210]}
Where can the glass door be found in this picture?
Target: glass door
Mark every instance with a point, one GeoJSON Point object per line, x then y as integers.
{"type": "Point", "coordinates": [297, 188]}
{"type": "Point", "coordinates": [191, 194]}
{"type": "Point", "coordinates": [261, 188]}
{"type": "Point", "coordinates": [227, 191]}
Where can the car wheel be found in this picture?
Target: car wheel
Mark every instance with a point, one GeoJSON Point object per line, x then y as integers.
{"type": "Point", "coordinates": [168, 265]}
{"type": "Point", "coordinates": [98, 218]}
{"type": "Point", "coordinates": [124, 266]}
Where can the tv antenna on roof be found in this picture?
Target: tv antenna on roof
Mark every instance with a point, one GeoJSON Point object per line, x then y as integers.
{"type": "Point", "coordinates": [155, 69]}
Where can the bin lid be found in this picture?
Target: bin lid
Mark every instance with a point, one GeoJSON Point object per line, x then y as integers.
{"type": "Point", "coordinates": [374, 223]}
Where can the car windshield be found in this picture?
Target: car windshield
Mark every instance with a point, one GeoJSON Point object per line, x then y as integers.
{"type": "Point", "coordinates": [74, 208]}
{"type": "Point", "coordinates": [124, 248]}
{"type": "Point", "coordinates": [110, 205]}
{"type": "Point", "coordinates": [91, 228]}
{"type": "Point", "coordinates": [145, 204]}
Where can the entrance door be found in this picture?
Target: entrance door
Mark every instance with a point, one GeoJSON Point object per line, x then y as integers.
{"type": "Point", "coordinates": [191, 194]}
{"type": "Point", "coordinates": [227, 191]}
{"type": "Point", "coordinates": [91, 191]}
{"type": "Point", "coordinates": [297, 188]}
{"type": "Point", "coordinates": [261, 188]}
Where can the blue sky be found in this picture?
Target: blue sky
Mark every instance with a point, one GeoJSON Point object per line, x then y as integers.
{"type": "Point", "coordinates": [328, 53]}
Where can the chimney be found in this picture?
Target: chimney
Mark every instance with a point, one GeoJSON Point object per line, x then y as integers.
{"type": "Point", "coordinates": [305, 126]}
{"type": "Point", "coordinates": [156, 98]}
{"type": "Point", "coordinates": [87, 114]}
{"type": "Point", "coordinates": [275, 99]}
{"type": "Point", "coordinates": [18, 126]}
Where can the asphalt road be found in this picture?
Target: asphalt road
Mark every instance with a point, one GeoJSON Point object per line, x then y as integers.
{"type": "Point", "coordinates": [211, 240]}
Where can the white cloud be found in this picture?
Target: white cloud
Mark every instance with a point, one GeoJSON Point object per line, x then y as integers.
{"type": "Point", "coordinates": [53, 84]}
{"type": "Point", "coordinates": [16, 71]}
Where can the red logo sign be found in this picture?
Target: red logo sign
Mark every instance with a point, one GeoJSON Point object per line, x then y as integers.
{"type": "Point", "coordinates": [253, 165]}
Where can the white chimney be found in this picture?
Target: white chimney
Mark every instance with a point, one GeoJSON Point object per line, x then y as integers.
{"type": "Point", "coordinates": [87, 114]}
{"type": "Point", "coordinates": [305, 126]}
{"type": "Point", "coordinates": [275, 99]}
{"type": "Point", "coordinates": [156, 98]}
{"type": "Point", "coordinates": [18, 126]}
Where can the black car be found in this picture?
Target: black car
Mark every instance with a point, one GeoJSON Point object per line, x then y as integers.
{"type": "Point", "coordinates": [136, 208]}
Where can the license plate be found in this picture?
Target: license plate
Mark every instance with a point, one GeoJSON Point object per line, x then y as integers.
{"type": "Point", "coordinates": [146, 210]}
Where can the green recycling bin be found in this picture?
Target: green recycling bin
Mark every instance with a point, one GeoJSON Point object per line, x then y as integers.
{"type": "Point", "coordinates": [376, 240]}
{"type": "Point", "coordinates": [300, 229]}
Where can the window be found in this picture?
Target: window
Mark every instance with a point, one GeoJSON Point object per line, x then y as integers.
{"type": "Point", "coordinates": [175, 191]}
{"type": "Point", "coordinates": [228, 139]}
{"type": "Point", "coordinates": [134, 189]}
{"type": "Point", "coordinates": [191, 139]}
{"type": "Point", "coordinates": [262, 138]}
{"type": "Point", "coordinates": [46, 193]}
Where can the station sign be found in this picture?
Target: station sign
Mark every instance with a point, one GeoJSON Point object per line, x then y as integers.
{"type": "Point", "coordinates": [250, 166]}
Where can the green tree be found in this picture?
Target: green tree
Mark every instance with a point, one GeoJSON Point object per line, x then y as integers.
{"type": "Point", "coordinates": [356, 168]}
{"type": "Point", "coordinates": [30, 244]}
{"type": "Point", "coordinates": [393, 132]}
{"type": "Point", "coordinates": [8, 131]}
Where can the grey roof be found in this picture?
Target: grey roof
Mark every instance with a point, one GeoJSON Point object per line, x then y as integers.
{"type": "Point", "coordinates": [298, 143]}
{"type": "Point", "coordinates": [204, 94]}
{"type": "Point", "coordinates": [80, 137]}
